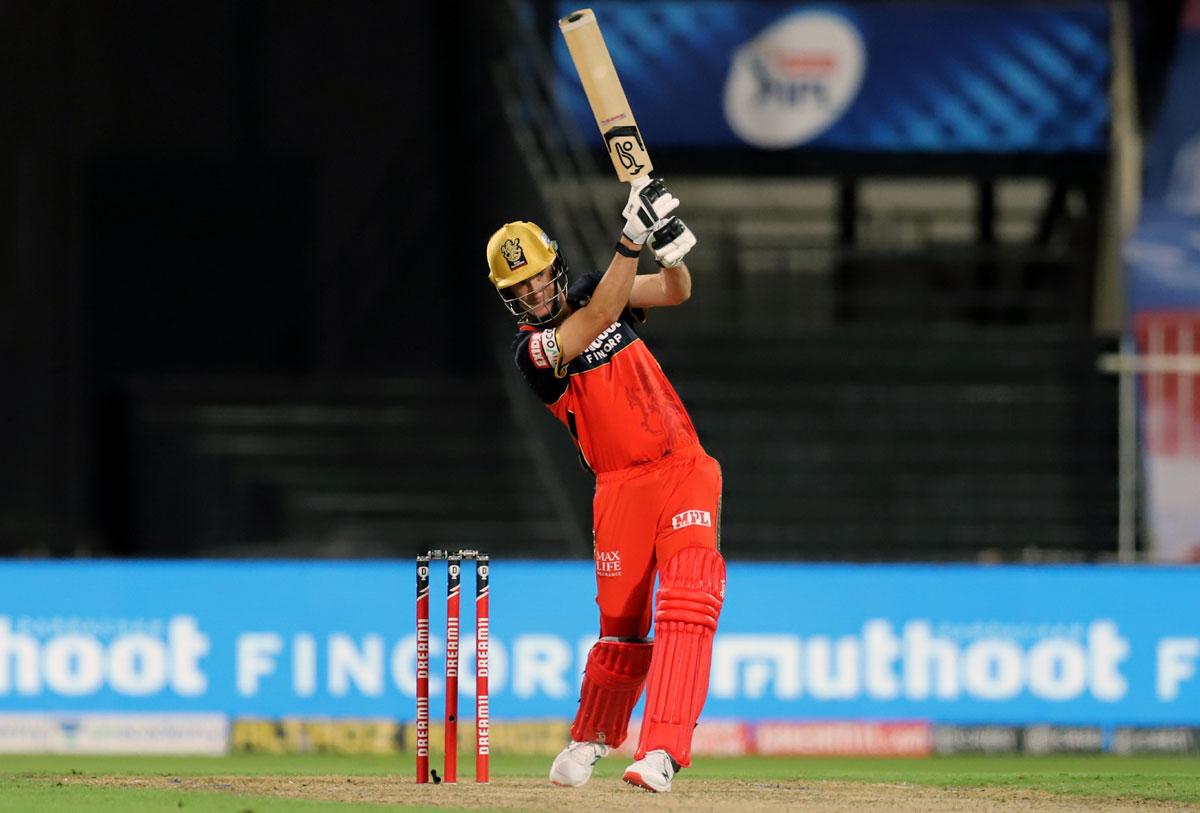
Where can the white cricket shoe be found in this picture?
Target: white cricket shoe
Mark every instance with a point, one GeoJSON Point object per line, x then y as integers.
{"type": "Point", "coordinates": [652, 772]}
{"type": "Point", "coordinates": [573, 765]}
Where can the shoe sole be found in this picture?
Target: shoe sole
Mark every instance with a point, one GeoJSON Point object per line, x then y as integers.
{"type": "Point", "coordinates": [634, 778]}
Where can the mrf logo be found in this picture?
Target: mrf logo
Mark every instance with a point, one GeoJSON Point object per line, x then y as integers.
{"type": "Point", "coordinates": [694, 517]}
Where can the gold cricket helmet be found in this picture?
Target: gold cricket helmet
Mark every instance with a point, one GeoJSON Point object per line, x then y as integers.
{"type": "Point", "coordinates": [516, 252]}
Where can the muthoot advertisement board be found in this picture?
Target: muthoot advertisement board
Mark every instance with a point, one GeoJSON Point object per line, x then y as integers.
{"type": "Point", "coordinates": [956, 644]}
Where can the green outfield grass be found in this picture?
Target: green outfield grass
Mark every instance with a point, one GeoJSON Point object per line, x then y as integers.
{"type": "Point", "coordinates": [60, 783]}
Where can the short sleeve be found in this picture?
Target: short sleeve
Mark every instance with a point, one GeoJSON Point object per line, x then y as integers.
{"type": "Point", "coordinates": [539, 359]}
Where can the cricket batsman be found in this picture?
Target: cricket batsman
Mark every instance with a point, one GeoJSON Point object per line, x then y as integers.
{"type": "Point", "coordinates": [658, 494]}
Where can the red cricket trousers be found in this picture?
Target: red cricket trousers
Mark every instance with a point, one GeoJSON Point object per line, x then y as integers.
{"type": "Point", "coordinates": [642, 516]}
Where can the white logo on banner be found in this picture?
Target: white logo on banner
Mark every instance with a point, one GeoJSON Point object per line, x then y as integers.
{"type": "Point", "coordinates": [794, 80]}
{"type": "Point", "coordinates": [77, 657]}
{"type": "Point", "coordinates": [117, 733]}
{"type": "Point", "coordinates": [919, 662]}
{"type": "Point", "coordinates": [63, 661]}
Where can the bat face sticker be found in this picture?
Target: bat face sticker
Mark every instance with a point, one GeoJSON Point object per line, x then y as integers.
{"type": "Point", "coordinates": [627, 142]}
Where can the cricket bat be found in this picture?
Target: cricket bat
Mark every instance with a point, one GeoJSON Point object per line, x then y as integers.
{"type": "Point", "coordinates": [622, 139]}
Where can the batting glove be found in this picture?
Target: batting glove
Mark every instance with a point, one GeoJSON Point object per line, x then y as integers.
{"type": "Point", "coordinates": [672, 241]}
{"type": "Point", "coordinates": [649, 202]}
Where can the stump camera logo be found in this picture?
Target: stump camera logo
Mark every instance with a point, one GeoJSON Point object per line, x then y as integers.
{"type": "Point", "coordinates": [791, 83]}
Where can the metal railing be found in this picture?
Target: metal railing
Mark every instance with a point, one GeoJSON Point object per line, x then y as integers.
{"type": "Point", "coordinates": [1154, 366]}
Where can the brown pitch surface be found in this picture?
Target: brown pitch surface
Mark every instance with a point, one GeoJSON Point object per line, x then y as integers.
{"type": "Point", "coordinates": [609, 794]}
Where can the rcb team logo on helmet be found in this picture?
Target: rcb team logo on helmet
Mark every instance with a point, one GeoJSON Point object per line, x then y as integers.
{"type": "Point", "coordinates": [518, 251]}
{"type": "Point", "coordinates": [513, 253]}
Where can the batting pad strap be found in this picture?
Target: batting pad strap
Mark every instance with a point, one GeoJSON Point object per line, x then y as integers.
{"type": "Point", "coordinates": [691, 592]}
{"type": "Point", "coordinates": [612, 684]}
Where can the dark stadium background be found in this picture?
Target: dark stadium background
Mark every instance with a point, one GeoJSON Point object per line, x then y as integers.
{"type": "Point", "coordinates": [243, 307]}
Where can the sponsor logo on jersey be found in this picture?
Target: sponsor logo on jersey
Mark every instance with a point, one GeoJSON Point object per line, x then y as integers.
{"type": "Point", "coordinates": [598, 342]}
{"type": "Point", "coordinates": [790, 83]}
{"type": "Point", "coordinates": [608, 563]}
{"type": "Point", "coordinates": [536, 353]}
{"type": "Point", "coordinates": [549, 345]}
{"type": "Point", "coordinates": [693, 517]}
{"type": "Point", "coordinates": [604, 345]}
{"type": "Point", "coordinates": [514, 255]}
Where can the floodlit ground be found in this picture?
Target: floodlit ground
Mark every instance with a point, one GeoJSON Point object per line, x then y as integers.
{"type": "Point", "coordinates": [338, 783]}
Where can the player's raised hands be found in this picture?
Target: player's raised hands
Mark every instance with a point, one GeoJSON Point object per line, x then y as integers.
{"type": "Point", "coordinates": [649, 202]}
{"type": "Point", "coordinates": [672, 241]}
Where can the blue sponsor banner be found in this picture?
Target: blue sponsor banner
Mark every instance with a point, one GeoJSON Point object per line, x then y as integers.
{"type": "Point", "coordinates": [1173, 150]}
{"type": "Point", "coordinates": [1163, 283]}
{"type": "Point", "coordinates": [1163, 255]}
{"type": "Point", "coordinates": [894, 77]}
{"type": "Point", "coordinates": [955, 644]}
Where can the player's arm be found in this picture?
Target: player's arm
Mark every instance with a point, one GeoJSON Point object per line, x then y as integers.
{"type": "Point", "coordinates": [608, 300]}
{"type": "Point", "coordinates": [672, 285]}
{"type": "Point", "coordinates": [649, 203]}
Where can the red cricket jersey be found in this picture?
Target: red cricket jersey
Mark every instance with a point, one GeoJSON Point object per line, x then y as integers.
{"type": "Point", "coordinates": [613, 398]}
